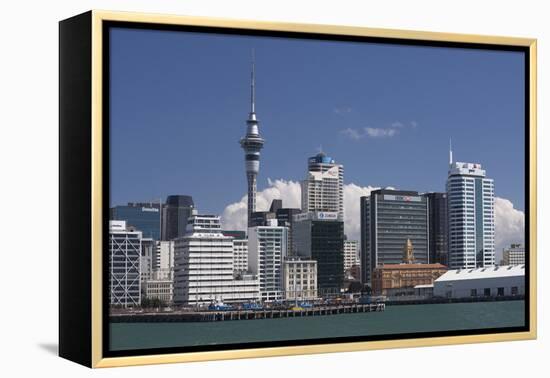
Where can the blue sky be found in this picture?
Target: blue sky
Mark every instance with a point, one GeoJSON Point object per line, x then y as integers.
{"type": "Point", "coordinates": [179, 102]}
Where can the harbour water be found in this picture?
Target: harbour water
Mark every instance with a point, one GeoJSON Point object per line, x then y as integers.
{"type": "Point", "coordinates": [394, 320]}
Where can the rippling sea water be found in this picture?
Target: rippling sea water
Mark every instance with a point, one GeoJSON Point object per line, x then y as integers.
{"type": "Point", "coordinates": [395, 320]}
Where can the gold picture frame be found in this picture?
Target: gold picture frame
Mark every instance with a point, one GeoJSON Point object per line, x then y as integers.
{"type": "Point", "coordinates": [90, 329]}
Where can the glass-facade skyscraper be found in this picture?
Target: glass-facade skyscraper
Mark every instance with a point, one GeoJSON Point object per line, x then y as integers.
{"type": "Point", "coordinates": [438, 227]}
{"type": "Point", "coordinates": [388, 219]}
{"type": "Point", "coordinates": [176, 212]}
{"type": "Point", "coordinates": [320, 236]}
{"type": "Point", "coordinates": [144, 217]}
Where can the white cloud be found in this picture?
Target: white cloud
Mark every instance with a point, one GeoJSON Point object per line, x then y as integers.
{"type": "Point", "coordinates": [378, 132]}
{"type": "Point", "coordinates": [342, 110]}
{"type": "Point", "coordinates": [509, 222]}
{"type": "Point", "coordinates": [352, 208]}
{"type": "Point", "coordinates": [353, 133]}
{"type": "Point", "coordinates": [509, 225]}
{"type": "Point", "coordinates": [234, 215]}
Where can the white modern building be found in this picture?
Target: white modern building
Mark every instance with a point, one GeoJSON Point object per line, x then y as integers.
{"type": "Point", "coordinates": [323, 188]}
{"type": "Point", "coordinates": [240, 255]}
{"type": "Point", "coordinates": [162, 289]}
{"type": "Point", "coordinates": [300, 278]}
{"type": "Point", "coordinates": [267, 248]}
{"type": "Point", "coordinates": [203, 271]}
{"type": "Point", "coordinates": [351, 254]}
{"type": "Point", "coordinates": [147, 256]}
{"type": "Point", "coordinates": [491, 281]}
{"type": "Point", "coordinates": [470, 196]}
{"type": "Point", "coordinates": [514, 255]}
{"type": "Point", "coordinates": [163, 260]}
{"type": "Point", "coordinates": [124, 265]}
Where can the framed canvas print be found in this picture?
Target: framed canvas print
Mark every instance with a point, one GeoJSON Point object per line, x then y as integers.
{"type": "Point", "coordinates": [234, 189]}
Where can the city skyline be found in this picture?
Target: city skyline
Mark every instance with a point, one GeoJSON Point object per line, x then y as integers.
{"type": "Point", "coordinates": [376, 131]}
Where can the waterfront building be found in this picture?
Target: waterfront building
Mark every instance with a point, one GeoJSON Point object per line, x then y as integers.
{"type": "Point", "coordinates": [124, 265]}
{"type": "Point", "coordinates": [300, 278]}
{"type": "Point", "coordinates": [320, 236]}
{"type": "Point", "coordinates": [203, 271]}
{"type": "Point", "coordinates": [388, 219]}
{"type": "Point", "coordinates": [267, 248]}
{"type": "Point", "coordinates": [235, 234]}
{"type": "Point", "coordinates": [283, 215]}
{"type": "Point", "coordinates": [514, 255]}
{"type": "Point", "coordinates": [148, 249]}
{"type": "Point", "coordinates": [470, 196]}
{"type": "Point", "coordinates": [493, 281]}
{"type": "Point", "coordinates": [351, 254]}
{"type": "Point", "coordinates": [406, 278]}
{"type": "Point", "coordinates": [252, 143]}
{"type": "Point", "coordinates": [240, 255]}
{"type": "Point", "coordinates": [163, 260]}
{"type": "Point", "coordinates": [323, 188]}
{"type": "Point", "coordinates": [144, 217]}
{"type": "Point", "coordinates": [438, 229]}
{"type": "Point", "coordinates": [162, 289]}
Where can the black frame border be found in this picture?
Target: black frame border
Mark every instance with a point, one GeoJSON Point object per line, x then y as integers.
{"type": "Point", "coordinates": [106, 25]}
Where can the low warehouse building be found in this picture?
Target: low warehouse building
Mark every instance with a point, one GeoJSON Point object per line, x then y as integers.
{"type": "Point", "coordinates": [497, 281]}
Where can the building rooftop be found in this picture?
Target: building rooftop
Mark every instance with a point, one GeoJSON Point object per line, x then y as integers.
{"type": "Point", "coordinates": [411, 266]}
{"type": "Point", "coordinates": [490, 272]}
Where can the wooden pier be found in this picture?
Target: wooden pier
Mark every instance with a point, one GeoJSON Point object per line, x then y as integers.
{"type": "Point", "coordinates": [220, 316]}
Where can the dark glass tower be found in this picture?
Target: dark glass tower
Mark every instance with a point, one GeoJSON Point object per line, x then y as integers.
{"type": "Point", "coordinates": [388, 219]}
{"type": "Point", "coordinates": [438, 227]}
{"type": "Point", "coordinates": [320, 236]}
{"type": "Point", "coordinates": [144, 217]}
{"type": "Point", "coordinates": [177, 210]}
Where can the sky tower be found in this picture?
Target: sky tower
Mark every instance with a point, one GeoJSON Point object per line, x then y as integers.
{"type": "Point", "coordinates": [252, 143]}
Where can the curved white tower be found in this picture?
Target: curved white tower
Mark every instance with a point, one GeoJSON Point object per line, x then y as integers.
{"type": "Point", "coordinates": [252, 143]}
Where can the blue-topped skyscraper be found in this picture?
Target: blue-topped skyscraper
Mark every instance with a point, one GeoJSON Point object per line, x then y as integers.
{"type": "Point", "coordinates": [252, 143]}
{"type": "Point", "coordinates": [323, 188]}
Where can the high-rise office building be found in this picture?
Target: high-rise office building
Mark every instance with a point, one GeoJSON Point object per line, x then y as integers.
{"type": "Point", "coordinates": [351, 254]}
{"type": "Point", "coordinates": [240, 255]}
{"type": "Point", "coordinates": [252, 143]}
{"type": "Point", "coordinates": [203, 271]}
{"type": "Point", "coordinates": [283, 215]}
{"type": "Point", "coordinates": [438, 227]}
{"type": "Point", "coordinates": [320, 236]}
{"type": "Point", "coordinates": [145, 217]}
{"type": "Point", "coordinates": [388, 219]}
{"type": "Point", "coordinates": [323, 188]}
{"type": "Point", "coordinates": [163, 260]}
{"type": "Point", "coordinates": [514, 255]}
{"type": "Point", "coordinates": [148, 250]}
{"type": "Point", "coordinates": [124, 265]}
{"type": "Point", "coordinates": [177, 210]}
{"type": "Point", "coordinates": [267, 249]}
{"type": "Point", "coordinates": [470, 196]}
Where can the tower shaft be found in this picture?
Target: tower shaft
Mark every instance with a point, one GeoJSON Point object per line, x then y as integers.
{"type": "Point", "coordinates": [252, 143]}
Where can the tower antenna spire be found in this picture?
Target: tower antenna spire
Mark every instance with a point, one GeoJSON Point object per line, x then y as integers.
{"type": "Point", "coordinates": [253, 84]}
{"type": "Point", "coordinates": [450, 151]}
